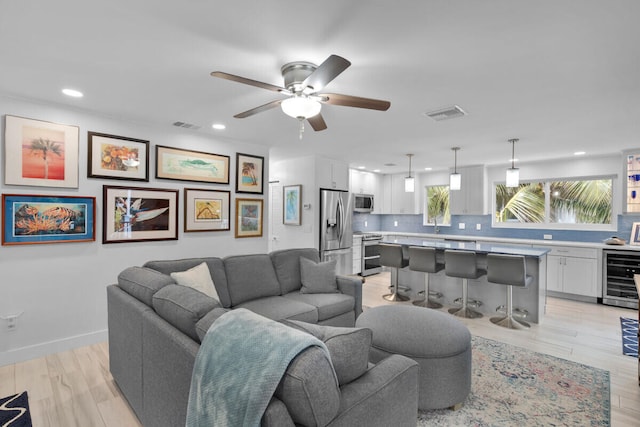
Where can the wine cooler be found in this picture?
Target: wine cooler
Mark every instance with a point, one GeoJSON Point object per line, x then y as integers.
{"type": "Point", "coordinates": [618, 286]}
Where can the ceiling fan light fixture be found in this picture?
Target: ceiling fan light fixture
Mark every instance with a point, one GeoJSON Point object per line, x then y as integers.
{"type": "Point", "coordinates": [300, 107]}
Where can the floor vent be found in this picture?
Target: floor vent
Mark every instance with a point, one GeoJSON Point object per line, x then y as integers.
{"type": "Point", "coordinates": [186, 125]}
{"type": "Point", "coordinates": [446, 113]}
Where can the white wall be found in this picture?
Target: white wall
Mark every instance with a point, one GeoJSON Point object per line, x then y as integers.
{"type": "Point", "coordinates": [60, 288]}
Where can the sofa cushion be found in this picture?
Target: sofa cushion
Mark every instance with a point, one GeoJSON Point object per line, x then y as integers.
{"type": "Point", "coordinates": [250, 277]}
{"type": "Point", "coordinates": [318, 277]}
{"type": "Point", "coordinates": [142, 283]}
{"type": "Point", "coordinates": [215, 265]}
{"type": "Point", "coordinates": [309, 389]}
{"type": "Point", "coordinates": [328, 305]}
{"type": "Point", "coordinates": [286, 262]}
{"type": "Point", "coordinates": [197, 278]}
{"type": "Point", "coordinates": [183, 307]}
{"type": "Point", "coordinates": [278, 308]}
{"type": "Point", "coordinates": [348, 347]}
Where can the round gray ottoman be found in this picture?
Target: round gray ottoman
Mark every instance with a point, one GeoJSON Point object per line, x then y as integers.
{"type": "Point", "coordinates": [440, 343]}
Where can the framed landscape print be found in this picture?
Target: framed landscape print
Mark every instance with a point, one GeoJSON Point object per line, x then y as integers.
{"type": "Point", "coordinates": [206, 210]}
{"type": "Point", "coordinates": [249, 173]}
{"type": "Point", "coordinates": [139, 214]}
{"type": "Point", "coordinates": [292, 199]}
{"type": "Point", "coordinates": [188, 165]}
{"type": "Point", "coordinates": [40, 153]}
{"type": "Point", "coordinates": [249, 217]}
{"type": "Point", "coordinates": [117, 157]}
{"type": "Point", "coordinates": [30, 219]}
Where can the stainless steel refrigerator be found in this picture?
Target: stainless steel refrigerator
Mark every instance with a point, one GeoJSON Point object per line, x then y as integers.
{"type": "Point", "coordinates": [336, 235]}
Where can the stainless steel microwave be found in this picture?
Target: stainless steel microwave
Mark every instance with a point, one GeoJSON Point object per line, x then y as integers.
{"type": "Point", "coordinates": [363, 202]}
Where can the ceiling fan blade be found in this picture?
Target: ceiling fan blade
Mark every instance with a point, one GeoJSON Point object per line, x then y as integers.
{"type": "Point", "coordinates": [327, 71]}
{"type": "Point", "coordinates": [354, 101]}
{"type": "Point", "coordinates": [260, 109]}
{"type": "Point", "coordinates": [317, 122]}
{"type": "Point", "coordinates": [246, 81]}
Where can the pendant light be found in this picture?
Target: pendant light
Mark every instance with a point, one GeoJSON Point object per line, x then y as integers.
{"type": "Point", "coordinates": [455, 179]}
{"type": "Point", "coordinates": [513, 173]}
{"type": "Point", "coordinates": [409, 182]}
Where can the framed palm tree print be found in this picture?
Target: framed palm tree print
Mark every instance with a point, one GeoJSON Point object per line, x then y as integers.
{"type": "Point", "coordinates": [249, 173]}
{"type": "Point", "coordinates": [40, 153]}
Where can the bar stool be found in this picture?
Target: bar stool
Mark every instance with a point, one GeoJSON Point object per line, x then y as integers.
{"type": "Point", "coordinates": [424, 259]}
{"type": "Point", "coordinates": [462, 264]}
{"type": "Point", "coordinates": [509, 270]}
{"type": "Point", "coordinates": [393, 256]}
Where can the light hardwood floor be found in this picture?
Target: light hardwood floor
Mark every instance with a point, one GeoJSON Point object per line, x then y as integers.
{"type": "Point", "coordinates": [74, 388]}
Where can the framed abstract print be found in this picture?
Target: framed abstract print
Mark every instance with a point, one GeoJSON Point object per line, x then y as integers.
{"type": "Point", "coordinates": [249, 217]}
{"type": "Point", "coordinates": [206, 210]}
{"type": "Point", "coordinates": [292, 201]}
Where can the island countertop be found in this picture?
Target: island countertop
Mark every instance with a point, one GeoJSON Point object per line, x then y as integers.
{"type": "Point", "coordinates": [481, 248]}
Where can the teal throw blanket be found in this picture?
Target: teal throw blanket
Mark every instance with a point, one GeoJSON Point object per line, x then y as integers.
{"type": "Point", "coordinates": [241, 361]}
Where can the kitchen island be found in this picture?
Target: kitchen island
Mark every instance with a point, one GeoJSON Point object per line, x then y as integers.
{"type": "Point", "coordinates": [492, 295]}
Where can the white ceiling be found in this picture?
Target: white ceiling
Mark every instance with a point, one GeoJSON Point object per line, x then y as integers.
{"type": "Point", "coordinates": [561, 75]}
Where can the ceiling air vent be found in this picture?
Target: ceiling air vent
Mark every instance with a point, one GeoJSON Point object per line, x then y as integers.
{"type": "Point", "coordinates": [186, 125]}
{"type": "Point", "coordinates": [446, 113]}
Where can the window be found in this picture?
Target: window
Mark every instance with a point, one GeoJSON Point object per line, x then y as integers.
{"type": "Point", "coordinates": [437, 205]}
{"type": "Point", "coordinates": [577, 203]}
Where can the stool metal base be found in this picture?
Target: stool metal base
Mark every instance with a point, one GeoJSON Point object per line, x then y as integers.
{"type": "Point", "coordinates": [466, 312]}
{"type": "Point", "coordinates": [427, 303]}
{"type": "Point", "coordinates": [509, 322]}
{"type": "Point", "coordinates": [395, 297]}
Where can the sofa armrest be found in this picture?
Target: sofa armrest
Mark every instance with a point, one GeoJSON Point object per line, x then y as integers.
{"type": "Point", "coordinates": [276, 415]}
{"type": "Point", "coordinates": [349, 285]}
{"type": "Point", "coordinates": [387, 394]}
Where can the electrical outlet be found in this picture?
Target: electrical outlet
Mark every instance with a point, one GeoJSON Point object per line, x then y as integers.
{"type": "Point", "coordinates": [478, 226]}
{"type": "Point", "coordinates": [461, 226]}
{"type": "Point", "coordinates": [395, 223]}
{"type": "Point", "coordinates": [365, 224]}
{"type": "Point", "coordinates": [547, 236]}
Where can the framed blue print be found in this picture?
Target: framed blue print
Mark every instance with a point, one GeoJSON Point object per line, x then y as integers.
{"type": "Point", "coordinates": [29, 219]}
{"type": "Point", "coordinates": [292, 199]}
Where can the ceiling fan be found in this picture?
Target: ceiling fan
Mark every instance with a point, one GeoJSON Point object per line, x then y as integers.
{"type": "Point", "coordinates": [303, 82]}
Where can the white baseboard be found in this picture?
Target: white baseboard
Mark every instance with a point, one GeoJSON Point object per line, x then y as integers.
{"type": "Point", "coordinates": [39, 350]}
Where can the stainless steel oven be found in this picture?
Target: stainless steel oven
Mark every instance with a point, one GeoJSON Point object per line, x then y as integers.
{"type": "Point", "coordinates": [370, 254]}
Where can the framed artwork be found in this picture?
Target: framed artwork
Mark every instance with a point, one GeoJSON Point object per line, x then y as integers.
{"type": "Point", "coordinates": [40, 153]}
{"type": "Point", "coordinates": [292, 200]}
{"type": "Point", "coordinates": [635, 234]}
{"type": "Point", "coordinates": [249, 173]}
{"type": "Point", "coordinates": [30, 219]}
{"type": "Point", "coordinates": [206, 210]}
{"type": "Point", "coordinates": [117, 157]}
{"type": "Point", "coordinates": [188, 165]}
{"type": "Point", "coordinates": [249, 217]}
{"type": "Point", "coordinates": [139, 214]}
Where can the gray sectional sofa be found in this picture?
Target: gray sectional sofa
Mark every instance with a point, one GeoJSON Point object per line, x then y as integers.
{"type": "Point", "coordinates": [156, 326]}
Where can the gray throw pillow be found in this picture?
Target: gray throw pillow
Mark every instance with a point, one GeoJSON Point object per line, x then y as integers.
{"type": "Point", "coordinates": [318, 278]}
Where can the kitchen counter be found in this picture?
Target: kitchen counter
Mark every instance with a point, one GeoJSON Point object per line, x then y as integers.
{"type": "Point", "coordinates": [532, 299]}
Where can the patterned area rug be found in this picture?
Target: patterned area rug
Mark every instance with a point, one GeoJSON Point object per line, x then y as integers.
{"type": "Point", "coordinates": [14, 411]}
{"type": "Point", "coordinates": [514, 386]}
{"type": "Point", "coordinates": [629, 336]}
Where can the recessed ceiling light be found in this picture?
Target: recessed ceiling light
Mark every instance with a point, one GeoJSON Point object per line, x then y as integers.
{"type": "Point", "coordinates": [376, 170]}
{"type": "Point", "coordinates": [218, 126]}
{"type": "Point", "coordinates": [579, 153]}
{"type": "Point", "coordinates": [73, 93]}
{"type": "Point", "coordinates": [428, 169]}
{"type": "Point", "coordinates": [361, 167]}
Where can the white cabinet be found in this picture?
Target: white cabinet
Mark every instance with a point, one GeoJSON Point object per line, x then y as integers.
{"type": "Point", "coordinates": [357, 254]}
{"type": "Point", "coordinates": [471, 198]}
{"type": "Point", "coordinates": [396, 200]}
{"type": "Point", "coordinates": [363, 182]}
{"type": "Point", "coordinates": [332, 174]}
{"type": "Point", "coordinates": [572, 270]}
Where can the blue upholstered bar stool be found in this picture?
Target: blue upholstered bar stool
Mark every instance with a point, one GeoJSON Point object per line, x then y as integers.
{"type": "Point", "coordinates": [424, 260]}
{"type": "Point", "coordinates": [509, 270]}
{"type": "Point", "coordinates": [393, 256]}
{"type": "Point", "coordinates": [462, 264]}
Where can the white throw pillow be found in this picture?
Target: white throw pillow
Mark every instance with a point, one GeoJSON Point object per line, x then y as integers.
{"type": "Point", "coordinates": [198, 278]}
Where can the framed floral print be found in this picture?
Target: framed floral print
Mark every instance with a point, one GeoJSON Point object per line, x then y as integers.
{"type": "Point", "coordinates": [206, 210]}
{"type": "Point", "coordinates": [248, 217]}
{"type": "Point", "coordinates": [40, 153]}
{"type": "Point", "coordinates": [117, 157]}
{"type": "Point", "coordinates": [249, 173]}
